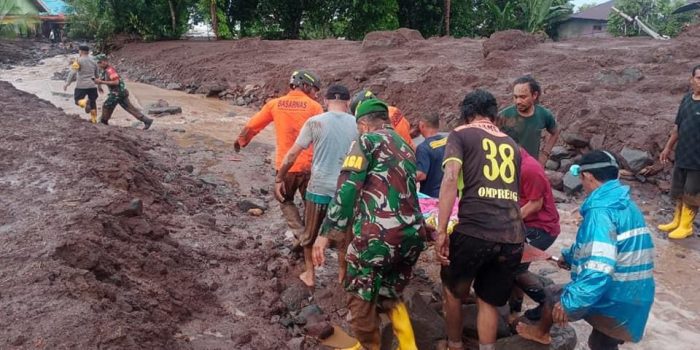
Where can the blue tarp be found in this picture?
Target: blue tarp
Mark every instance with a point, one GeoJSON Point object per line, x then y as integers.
{"type": "Point", "coordinates": [55, 7]}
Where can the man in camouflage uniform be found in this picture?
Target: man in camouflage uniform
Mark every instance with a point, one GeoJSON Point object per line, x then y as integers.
{"type": "Point", "coordinates": [379, 176]}
{"type": "Point", "coordinates": [118, 94]}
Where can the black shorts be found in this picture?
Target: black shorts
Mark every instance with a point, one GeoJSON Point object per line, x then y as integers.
{"type": "Point", "coordinates": [539, 239]}
{"type": "Point", "coordinates": [686, 186]}
{"type": "Point", "coordinates": [91, 94]}
{"type": "Point", "coordinates": [490, 265]}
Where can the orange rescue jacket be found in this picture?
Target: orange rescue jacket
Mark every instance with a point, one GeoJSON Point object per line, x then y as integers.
{"type": "Point", "coordinates": [401, 125]}
{"type": "Point", "coordinates": [289, 113]}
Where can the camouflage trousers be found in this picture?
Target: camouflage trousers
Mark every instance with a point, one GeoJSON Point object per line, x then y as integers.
{"type": "Point", "coordinates": [377, 268]}
{"type": "Point", "coordinates": [120, 98]}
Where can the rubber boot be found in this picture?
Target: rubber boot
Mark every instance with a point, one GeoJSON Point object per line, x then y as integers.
{"type": "Point", "coordinates": [147, 123]}
{"type": "Point", "coordinates": [685, 228]}
{"type": "Point", "coordinates": [401, 324]}
{"type": "Point", "coordinates": [357, 346]}
{"type": "Point", "coordinates": [675, 221]}
{"type": "Point", "coordinates": [84, 105]}
{"type": "Point", "coordinates": [93, 116]}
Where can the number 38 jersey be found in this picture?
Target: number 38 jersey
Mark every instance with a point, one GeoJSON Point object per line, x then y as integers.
{"type": "Point", "coordinates": [488, 182]}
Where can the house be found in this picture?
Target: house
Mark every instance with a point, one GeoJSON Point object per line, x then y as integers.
{"type": "Point", "coordinates": [589, 23]}
{"type": "Point", "coordinates": [27, 18]}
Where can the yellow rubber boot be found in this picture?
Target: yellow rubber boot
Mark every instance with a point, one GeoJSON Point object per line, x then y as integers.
{"type": "Point", "coordinates": [357, 346]}
{"type": "Point", "coordinates": [675, 221]}
{"type": "Point", "coordinates": [82, 103]}
{"type": "Point", "coordinates": [685, 228]}
{"type": "Point", "coordinates": [93, 116]}
{"type": "Point", "coordinates": [401, 324]}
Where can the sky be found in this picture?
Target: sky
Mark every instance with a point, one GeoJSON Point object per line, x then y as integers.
{"type": "Point", "coordinates": [578, 3]}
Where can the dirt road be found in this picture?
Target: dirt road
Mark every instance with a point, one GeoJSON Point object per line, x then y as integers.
{"type": "Point", "coordinates": [193, 271]}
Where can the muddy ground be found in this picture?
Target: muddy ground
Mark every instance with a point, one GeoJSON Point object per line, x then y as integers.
{"type": "Point", "coordinates": [193, 270]}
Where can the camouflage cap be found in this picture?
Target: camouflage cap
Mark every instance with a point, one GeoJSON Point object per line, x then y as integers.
{"type": "Point", "coordinates": [100, 57]}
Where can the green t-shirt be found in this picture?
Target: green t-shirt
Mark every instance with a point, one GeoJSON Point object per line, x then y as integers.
{"type": "Point", "coordinates": [527, 131]}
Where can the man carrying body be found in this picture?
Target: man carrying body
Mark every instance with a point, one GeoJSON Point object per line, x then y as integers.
{"type": "Point", "coordinates": [401, 125]}
{"type": "Point", "coordinates": [84, 71]}
{"type": "Point", "coordinates": [118, 94]}
{"type": "Point", "coordinates": [289, 113]}
{"type": "Point", "coordinates": [429, 155]}
{"type": "Point", "coordinates": [685, 188]}
{"type": "Point", "coordinates": [524, 120]}
{"type": "Point", "coordinates": [331, 134]}
{"type": "Point", "coordinates": [541, 220]}
{"type": "Point", "coordinates": [377, 193]}
{"type": "Point", "coordinates": [611, 262]}
{"type": "Point", "coordinates": [487, 244]}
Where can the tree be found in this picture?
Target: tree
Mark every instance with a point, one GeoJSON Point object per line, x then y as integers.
{"type": "Point", "coordinates": [365, 16]}
{"type": "Point", "coordinates": [656, 14]}
{"type": "Point", "coordinates": [426, 16]}
{"type": "Point", "coordinates": [585, 7]}
{"type": "Point", "coordinates": [448, 5]}
{"type": "Point", "coordinates": [542, 14]}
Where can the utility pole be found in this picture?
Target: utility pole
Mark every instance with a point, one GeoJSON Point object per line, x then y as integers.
{"type": "Point", "coordinates": [448, 5]}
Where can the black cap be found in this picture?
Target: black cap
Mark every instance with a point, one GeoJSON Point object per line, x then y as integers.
{"type": "Point", "coordinates": [84, 48]}
{"type": "Point", "coordinates": [338, 92]}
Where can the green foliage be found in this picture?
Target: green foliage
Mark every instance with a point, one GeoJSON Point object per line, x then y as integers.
{"type": "Point", "coordinates": [502, 18]}
{"type": "Point", "coordinates": [23, 21]}
{"type": "Point", "coordinates": [152, 20]}
{"type": "Point", "coordinates": [365, 16]}
{"type": "Point", "coordinates": [426, 16]}
{"type": "Point", "coordinates": [657, 14]}
{"type": "Point", "coordinates": [585, 7]}
{"type": "Point", "coordinates": [542, 14]}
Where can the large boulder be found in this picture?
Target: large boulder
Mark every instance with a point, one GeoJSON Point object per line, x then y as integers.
{"type": "Point", "coordinates": [636, 159]}
{"type": "Point", "coordinates": [508, 40]}
{"type": "Point", "coordinates": [390, 39]}
{"type": "Point", "coordinates": [575, 139]}
{"type": "Point", "coordinates": [572, 184]}
{"type": "Point", "coordinates": [556, 179]}
{"type": "Point", "coordinates": [559, 153]}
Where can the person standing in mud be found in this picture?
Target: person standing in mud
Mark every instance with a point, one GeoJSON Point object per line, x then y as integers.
{"type": "Point", "coordinates": [118, 94]}
{"type": "Point", "coordinates": [486, 246]}
{"type": "Point", "coordinates": [430, 154]}
{"type": "Point", "coordinates": [685, 187]}
{"type": "Point", "coordinates": [84, 71]}
{"type": "Point", "coordinates": [612, 264]}
{"type": "Point", "coordinates": [541, 220]}
{"type": "Point", "coordinates": [526, 118]}
{"type": "Point", "coordinates": [377, 193]}
{"type": "Point", "coordinates": [289, 113]}
{"type": "Point", "coordinates": [401, 125]}
{"type": "Point", "coordinates": [331, 134]}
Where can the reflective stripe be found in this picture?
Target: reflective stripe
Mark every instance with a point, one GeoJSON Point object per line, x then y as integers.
{"type": "Point", "coordinates": [637, 257]}
{"type": "Point", "coordinates": [633, 276]}
{"type": "Point", "coordinates": [632, 233]}
{"type": "Point", "coordinates": [596, 266]}
{"type": "Point", "coordinates": [597, 249]}
{"type": "Point", "coordinates": [451, 159]}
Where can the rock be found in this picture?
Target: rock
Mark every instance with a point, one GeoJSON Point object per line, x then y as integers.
{"type": "Point", "coordinates": [62, 94]}
{"type": "Point", "coordinates": [189, 168]}
{"type": "Point", "coordinates": [597, 141]}
{"type": "Point", "coordinates": [308, 315]}
{"type": "Point", "coordinates": [556, 179]}
{"type": "Point", "coordinates": [636, 159]}
{"type": "Point", "coordinates": [251, 203]}
{"type": "Point", "coordinates": [508, 40]}
{"type": "Point", "coordinates": [319, 330]}
{"type": "Point", "coordinates": [428, 325]}
{"type": "Point", "coordinates": [255, 211]}
{"type": "Point", "coordinates": [240, 101]}
{"type": "Point", "coordinates": [159, 111]}
{"type": "Point", "coordinates": [390, 39]}
{"type": "Point", "coordinates": [469, 313]}
{"type": "Point", "coordinates": [563, 338]}
{"type": "Point", "coordinates": [664, 186]}
{"type": "Point", "coordinates": [575, 139]}
{"type": "Point", "coordinates": [559, 153]}
{"type": "Point", "coordinates": [212, 89]}
{"type": "Point", "coordinates": [559, 196]}
{"type": "Point", "coordinates": [294, 296]}
{"type": "Point", "coordinates": [204, 219]}
{"type": "Point", "coordinates": [566, 164]}
{"type": "Point", "coordinates": [551, 165]}
{"type": "Point", "coordinates": [626, 76]}
{"type": "Point", "coordinates": [179, 130]}
{"type": "Point", "coordinates": [134, 208]}
{"type": "Point", "coordinates": [572, 184]}
{"type": "Point", "coordinates": [173, 86]}
{"type": "Point", "coordinates": [296, 343]}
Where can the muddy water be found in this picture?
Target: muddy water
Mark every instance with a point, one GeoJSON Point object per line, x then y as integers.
{"type": "Point", "coordinates": [206, 130]}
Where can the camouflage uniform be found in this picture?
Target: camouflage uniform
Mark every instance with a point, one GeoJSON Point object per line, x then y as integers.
{"type": "Point", "coordinates": [379, 178]}
{"type": "Point", "coordinates": [119, 95]}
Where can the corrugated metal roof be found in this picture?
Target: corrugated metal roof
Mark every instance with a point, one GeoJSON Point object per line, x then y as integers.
{"type": "Point", "coordinates": [599, 13]}
{"type": "Point", "coordinates": [54, 7]}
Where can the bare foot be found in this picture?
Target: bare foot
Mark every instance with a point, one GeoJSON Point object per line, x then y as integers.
{"type": "Point", "coordinates": [341, 277]}
{"type": "Point", "coordinates": [531, 332]}
{"type": "Point", "coordinates": [308, 278]}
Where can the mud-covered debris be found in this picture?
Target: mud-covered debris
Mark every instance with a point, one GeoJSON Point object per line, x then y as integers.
{"type": "Point", "coordinates": [559, 153]}
{"type": "Point", "coordinates": [575, 139]}
{"type": "Point", "coordinates": [636, 159]}
{"type": "Point", "coordinates": [134, 208]}
{"type": "Point", "coordinates": [255, 211]}
{"type": "Point", "coordinates": [251, 203]}
{"type": "Point", "coordinates": [556, 179]}
{"type": "Point", "coordinates": [319, 330]}
{"type": "Point", "coordinates": [294, 296]}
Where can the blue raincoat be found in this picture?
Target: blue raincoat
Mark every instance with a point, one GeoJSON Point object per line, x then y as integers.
{"type": "Point", "coordinates": [612, 262]}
